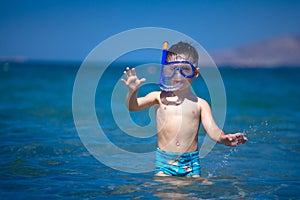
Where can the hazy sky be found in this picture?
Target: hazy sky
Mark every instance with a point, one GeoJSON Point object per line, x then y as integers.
{"type": "Point", "coordinates": [70, 29]}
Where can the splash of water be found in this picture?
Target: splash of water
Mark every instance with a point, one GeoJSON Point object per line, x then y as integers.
{"type": "Point", "coordinates": [256, 133]}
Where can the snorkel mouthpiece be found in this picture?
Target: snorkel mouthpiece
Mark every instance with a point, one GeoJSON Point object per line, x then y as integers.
{"type": "Point", "coordinates": [164, 82]}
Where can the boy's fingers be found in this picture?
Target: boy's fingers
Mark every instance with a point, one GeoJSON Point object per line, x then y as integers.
{"type": "Point", "coordinates": [133, 72]}
{"type": "Point", "coordinates": [239, 135]}
{"type": "Point", "coordinates": [123, 81]}
{"type": "Point", "coordinates": [143, 80]}
{"type": "Point", "coordinates": [125, 74]}
{"type": "Point", "coordinates": [128, 71]}
{"type": "Point", "coordinates": [243, 140]}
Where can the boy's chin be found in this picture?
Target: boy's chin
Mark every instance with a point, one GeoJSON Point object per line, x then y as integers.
{"type": "Point", "coordinates": [181, 84]}
{"type": "Point", "coordinates": [183, 87]}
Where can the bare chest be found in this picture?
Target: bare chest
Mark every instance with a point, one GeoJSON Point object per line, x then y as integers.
{"type": "Point", "coordinates": [187, 110]}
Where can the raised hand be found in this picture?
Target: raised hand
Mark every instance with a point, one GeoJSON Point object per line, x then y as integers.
{"type": "Point", "coordinates": [132, 81]}
{"type": "Point", "coordinates": [233, 139]}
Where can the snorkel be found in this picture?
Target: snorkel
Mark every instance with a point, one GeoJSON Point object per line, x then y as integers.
{"type": "Point", "coordinates": [164, 53]}
{"type": "Point", "coordinates": [163, 61]}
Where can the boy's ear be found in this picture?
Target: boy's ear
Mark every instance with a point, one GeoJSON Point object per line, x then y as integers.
{"type": "Point", "coordinates": [197, 72]}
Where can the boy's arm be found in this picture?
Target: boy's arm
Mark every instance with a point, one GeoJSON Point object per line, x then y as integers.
{"type": "Point", "coordinates": [133, 83]}
{"type": "Point", "coordinates": [214, 132]}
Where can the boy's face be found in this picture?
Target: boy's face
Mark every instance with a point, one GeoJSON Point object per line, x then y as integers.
{"type": "Point", "coordinates": [183, 72]}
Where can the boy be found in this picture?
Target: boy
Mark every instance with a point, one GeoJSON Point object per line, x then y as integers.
{"type": "Point", "coordinates": [178, 113]}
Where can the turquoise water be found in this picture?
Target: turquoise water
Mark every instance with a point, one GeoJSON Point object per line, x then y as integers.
{"type": "Point", "coordinates": [42, 155]}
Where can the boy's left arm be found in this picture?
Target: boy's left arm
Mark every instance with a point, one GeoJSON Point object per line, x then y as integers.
{"type": "Point", "coordinates": [214, 132]}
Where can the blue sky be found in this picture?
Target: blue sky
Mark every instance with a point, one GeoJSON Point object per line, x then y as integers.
{"type": "Point", "coordinates": [70, 29]}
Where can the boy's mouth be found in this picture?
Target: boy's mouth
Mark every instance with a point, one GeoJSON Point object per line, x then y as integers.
{"type": "Point", "coordinates": [177, 82]}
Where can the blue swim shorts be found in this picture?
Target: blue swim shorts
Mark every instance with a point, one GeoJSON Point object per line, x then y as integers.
{"type": "Point", "coordinates": [176, 164]}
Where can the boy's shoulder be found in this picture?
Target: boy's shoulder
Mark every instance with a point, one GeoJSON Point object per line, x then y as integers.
{"type": "Point", "coordinates": [202, 102]}
{"type": "Point", "coordinates": [154, 93]}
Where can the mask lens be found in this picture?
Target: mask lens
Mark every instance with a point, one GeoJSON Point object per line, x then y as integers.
{"type": "Point", "coordinates": [169, 71]}
{"type": "Point", "coordinates": [186, 69]}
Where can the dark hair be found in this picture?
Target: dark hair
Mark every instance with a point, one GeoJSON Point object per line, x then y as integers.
{"type": "Point", "coordinates": [183, 49]}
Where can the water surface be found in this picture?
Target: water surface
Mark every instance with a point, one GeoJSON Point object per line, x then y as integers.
{"type": "Point", "coordinates": [42, 155]}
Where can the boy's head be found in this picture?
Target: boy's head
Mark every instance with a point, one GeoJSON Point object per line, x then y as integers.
{"type": "Point", "coordinates": [183, 51]}
{"type": "Point", "coordinates": [180, 68]}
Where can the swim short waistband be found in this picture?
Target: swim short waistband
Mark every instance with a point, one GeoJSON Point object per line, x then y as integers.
{"type": "Point", "coordinates": [177, 154]}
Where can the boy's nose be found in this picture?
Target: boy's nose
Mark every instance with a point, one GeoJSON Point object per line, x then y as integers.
{"type": "Point", "coordinates": [177, 73]}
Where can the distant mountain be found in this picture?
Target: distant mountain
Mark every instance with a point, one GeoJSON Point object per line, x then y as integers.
{"type": "Point", "coordinates": [284, 51]}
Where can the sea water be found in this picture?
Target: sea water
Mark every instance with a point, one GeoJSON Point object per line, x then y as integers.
{"type": "Point", "coordinates": [42, 155]}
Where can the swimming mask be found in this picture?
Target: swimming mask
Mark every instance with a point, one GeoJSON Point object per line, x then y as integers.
{"type": "Point", "coordinates": [173, 70]}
